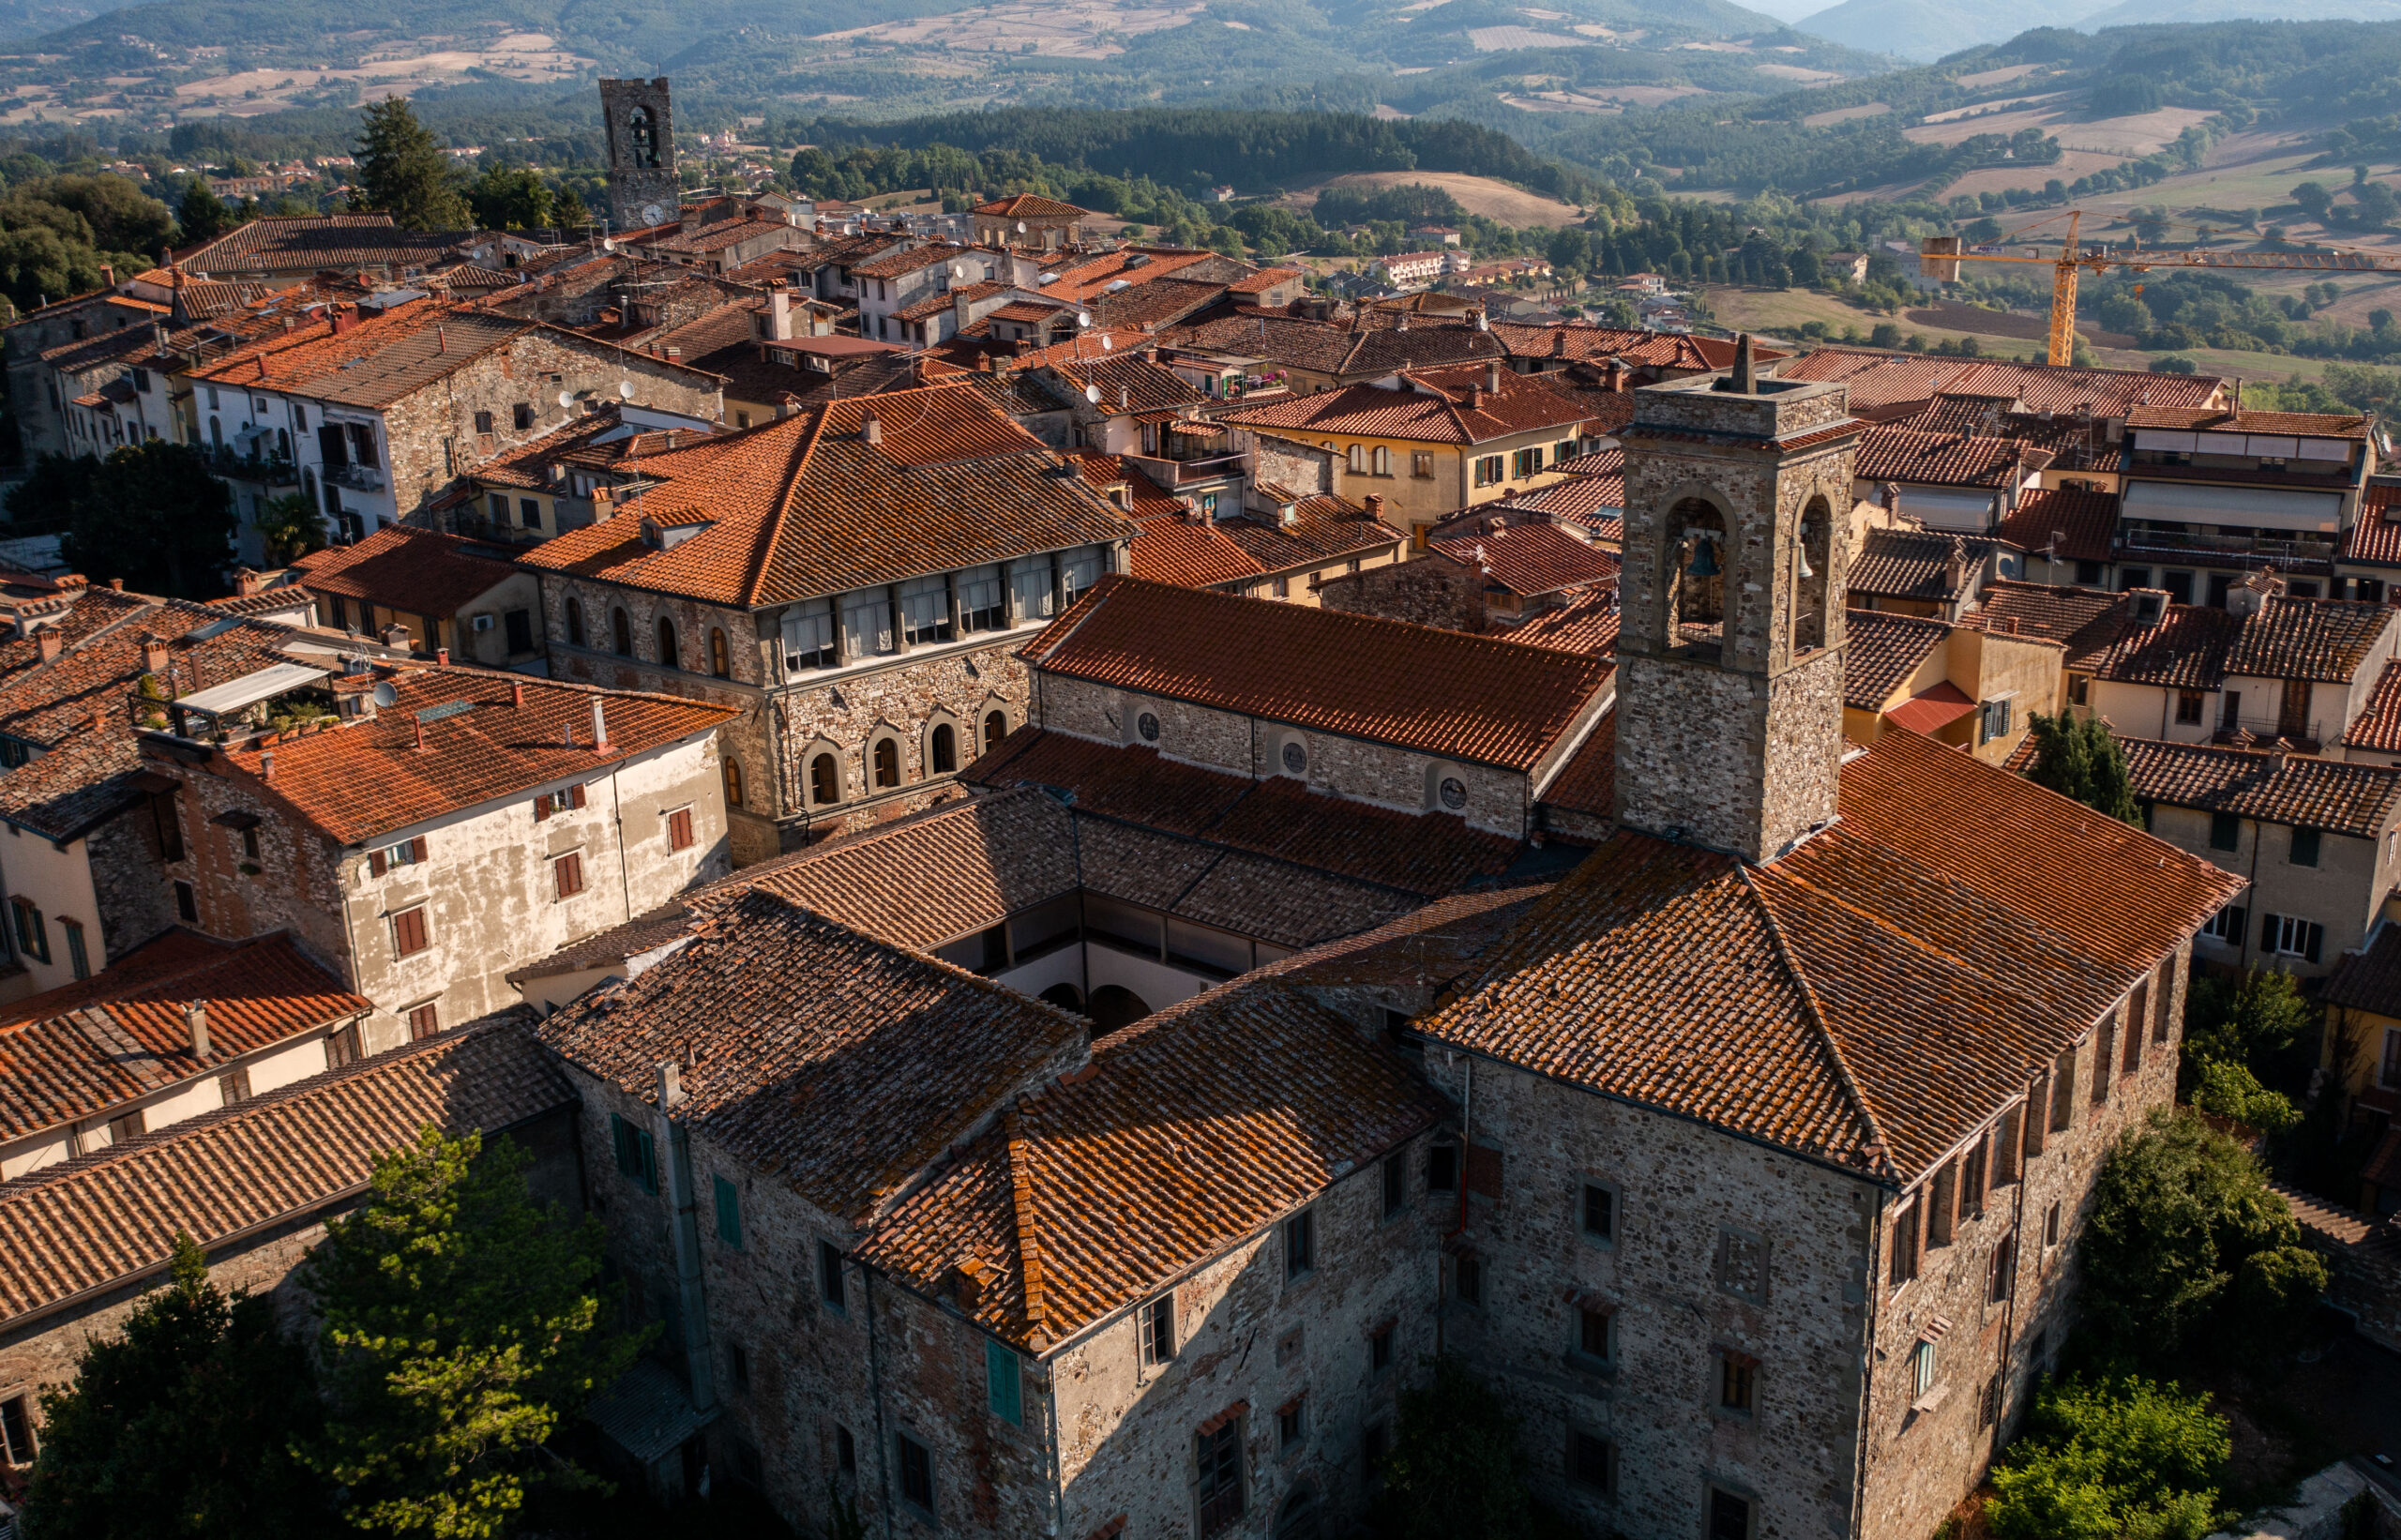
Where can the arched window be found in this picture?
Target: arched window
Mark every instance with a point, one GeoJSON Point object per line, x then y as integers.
{"type": "Point", "coordinates": [996, 726]}
{"type": "Point", "coordinates": [720, 660]}
{"type": "Point", "coordinates": [887, 762]}
{"type": "Point", "coordinates": [1809, 577]}
{"type": "Point", "coordinates": [824, 780]}
{"type": "Point", "coordinates": [621, 629]}
{"type": "Point", "coordinates": [644, 131]}
{"type": "Point", "coordinates": [1383, 460]}
{"type": "Point", "coordinates": [217, 432]}
{"type": "Point", "coordinates": [945, 748]}
{"type": "Point", "coordinates": [1697, 553]}
{"type": "Point", "coordinates": [667, 653]}
{"type": "Point", "coordinates": [733, 782]}
{"type": "Point", "coordinates": [1297, 1519]}
{"type": "Point", "coordinates": [574, 622]}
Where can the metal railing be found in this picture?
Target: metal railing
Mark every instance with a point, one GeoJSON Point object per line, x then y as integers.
{"type": "Point", "coordinates": [2267, 729]}
{"type": "Point", "coordinates": [365, 478]}
{"type": "Point", "coordinates": [2238, 545]}
{"type": "Point", "coordinates": [268, 470]}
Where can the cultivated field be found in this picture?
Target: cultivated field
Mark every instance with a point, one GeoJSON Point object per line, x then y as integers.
{"type": "Point", "coordinates": [1510, 205]}
{"type": "Point", "coordinates": [1077, 29]}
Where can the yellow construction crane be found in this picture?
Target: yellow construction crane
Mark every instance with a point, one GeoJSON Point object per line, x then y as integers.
{"type": "Point", "coordinates": [1940, 256]}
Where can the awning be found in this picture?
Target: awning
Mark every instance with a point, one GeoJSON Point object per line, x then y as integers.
{"type": "Point", "coordinates": [645, 1412]}
{"type": "Point", "coordinates": [2236, 508]}
{"type": "Point", "coordinates": [220, 700]}
{"type": "Point", "coordinates": [1968, 512]}
{"type": "Point", "coordinates": [1937, 708]}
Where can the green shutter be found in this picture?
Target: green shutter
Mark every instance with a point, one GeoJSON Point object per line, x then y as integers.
{"type": "Point", "coordinates": [728, 1214]}
{"type": "Point", "coordinates": [1001, 1382]}
{"type": "Point", "coordinates": [648, 1150]}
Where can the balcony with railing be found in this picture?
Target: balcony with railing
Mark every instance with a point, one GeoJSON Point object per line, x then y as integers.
{"type": "Point", "coordinates": [262, 470]}
{"type": "Point", "coordinates": [363, 479]}
{"type": "Point", "coordinates": [2214, 547]}
{"type": "Point", "coordinates": [2249, 732]}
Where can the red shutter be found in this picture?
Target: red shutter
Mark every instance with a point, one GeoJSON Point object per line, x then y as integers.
{"type": "Point", "coordinates": [542, 806]}
{"type": "Point", "coordinates": [679, 829]}
{"type": "Point", "coordinates": [375, 863]}
{"type": "Point", "coordinates": [417, 849]}
{"type": "Point", "coordinates": [576, 793]}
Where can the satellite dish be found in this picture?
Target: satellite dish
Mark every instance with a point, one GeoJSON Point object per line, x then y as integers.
{"type": "Point", "coordinates": [1092, 394]}
{"type": "Point", "coordinates": [624, 390]}
{"type": "Point", "coordinates": [1083, 318]}
{"type": "Point", "coordinates": [386, 696]}
{"type": "Point", "coordinates": [1104, 342]}
{"type": "Point", "coordinates": [566, 398]}
{"type": "Point", "coordinates": [1021, 227]}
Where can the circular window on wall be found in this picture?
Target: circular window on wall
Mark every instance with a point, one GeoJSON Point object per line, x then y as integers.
{"type": "Point", "coordinates": [1148, 726]}
{"type": "Point", "coordinates": [1453, 792]}
{"type": "Point", "coordinates": [1296, 758]}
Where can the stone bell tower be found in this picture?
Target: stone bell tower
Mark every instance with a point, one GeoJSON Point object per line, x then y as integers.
{"type": "Point", "coordinates": [642, 189]}
{"type": "Point", "coordinates": [1731, 638]}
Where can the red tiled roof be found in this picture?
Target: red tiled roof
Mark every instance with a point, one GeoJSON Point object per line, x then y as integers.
{"type": "Point", "coordinates": [1029, 206]}
{"type": "Point", "coordinates": [492, 750]}
{"type": "Point", "coordinates": [1957, 460]}
{"type": "Point", "coordinates": [804, 505]}
{"type": "Point", "coordinates": [319, 241]}
{"type": "Point", "coordinates": [1587, 624]}
{"type": "Point", "coordinates": [1580, 343]}
{"type": "Point", "coordinates": [2084, 521]}
{"type": "Point", "coordinates": [419, 570]}
{"type": "Point", "coordinates": [834, 1063]}
{"type": "Point", "coordinates": [2347, 425]}
{"type": "Point", "coordinates": [1912, 563]}
{"type": "Point", "coordinates": [2187, 649]}
{"type": "Point", "coordinates": [1445, 406]}
{"type": "Point", "coordinates": [69, 1231]}
{"type": "Point", "coordinates": [2379, 727]}
{"type": "Point", "coordinates": [1882, 652]}
{"type": "Point", "coordinates": [2369, 979]}
{"type": "Point", "coordinates": [1882, 378]}
{"type": "Point", "coordinates": [1437, 691]}
{"type": "Point", "coordinates": [2085, 621]}
{"type": "Point", "coordinates": [2350, 799]}
{"type": "Point", "coordinates": [1929, 713]}
{"type": "Point", "coordinates": [2309, 639]}
{"type": "Point", "coordinates": [72, 1052]}
{"type": "Point", "coordinates": [1533, 559]}
{"type": "Point", "coordinates": [2374, 538]}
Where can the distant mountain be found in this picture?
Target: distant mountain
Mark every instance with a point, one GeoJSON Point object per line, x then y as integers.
{"type": "Point", "coordinates": [1933, 29]}
{"type": "Point", "coordinates": [32, 18]}
{"type": "Point", "coordinates": [1930, 29]}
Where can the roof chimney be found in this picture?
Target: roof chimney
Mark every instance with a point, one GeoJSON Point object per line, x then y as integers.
{"type": "Point", "coordinates": [1492, 377]}
{"type": "Point", "coordinates": [1376, 507]}
{"type": "Point", "coordinates": [599, 727]}
{"type": "Point", "coordinates": [870, 432]}
{"type": "Point", "coordinates": [53, 643]}
{"type": "Point", "coordinates": [116, 584]}
{"type": "Point", "coordinates": [442, 656]}
{"type": "Point", "coordinates": [517, 694]}
{"type": "Point", "coordinates": [196, 1024]}
{"type": "Point", "coordinates": [266, 768]}
{"type": "Point", "coordinates": [1745, 379]}
{"type": "Point", "coordinates": [420, 734]}
{"type": "Point", "coordinates": [780, 315]}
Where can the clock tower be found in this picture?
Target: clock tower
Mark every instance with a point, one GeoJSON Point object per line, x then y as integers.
{"type": "Point", "coordinates": [642, 189]}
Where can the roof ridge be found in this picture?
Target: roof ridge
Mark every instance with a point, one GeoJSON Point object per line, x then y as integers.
{"type": "Point", "coordinates": [1029, 1244]}
{"type": "Point", "coordinates": [1879, 1149]}
{"type": "Point", "coordinates": [771, 531]}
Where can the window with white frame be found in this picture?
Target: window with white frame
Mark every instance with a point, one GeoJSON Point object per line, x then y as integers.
{"type": "Point", "coordinates": [1030, 588]}
{"type": "Point", "coordinates": [867, 624]}
{"type": "Point", "coordinates": [2227, 926]}
{"type": "Point", "coordinates": [808, 636]}
{"type": "Point", "coordinates": [925, 611]}
{"type": "Point", "coordinates": [979, 600]}
{"type": "Point", "coordinates": [1078, 571]}
{"type": "Point", "coordinates": [2291, 936]}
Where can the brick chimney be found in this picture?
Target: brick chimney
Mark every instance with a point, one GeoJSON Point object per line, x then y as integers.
{"type": "Point", "coordinates": [196, 1025]}
{"type": "Point", "coordinates": [1376, 507]}
{"type": "Point", "coordinates": [247, 582]}
{"type": "Point", "coordinates": [1492, 377]}
{"type": "Point", "coordinates": [779, 314]}
{"type": "Point", "coordinates": [154, 657]}
{"type": "Point", "coordinates": [599, 727]}
{"type": "Point", "coordinates": [53, 643]}
{"type": "Point", "coordinates": [870, 430]}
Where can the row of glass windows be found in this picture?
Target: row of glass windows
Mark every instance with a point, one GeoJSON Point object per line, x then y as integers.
{"type": "Point", "coordinates": [876, 622]}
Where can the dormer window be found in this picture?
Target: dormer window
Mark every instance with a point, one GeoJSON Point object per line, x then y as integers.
{"type": "Point", "coordinates": [665, 536]}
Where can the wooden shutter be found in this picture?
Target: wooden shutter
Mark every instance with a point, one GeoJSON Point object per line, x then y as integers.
{"type": "Point", "coordinates": [375, 863]}
{"type": "Point", "coordinates": [408, 931]}
{"type": "Point", "coordinates": [542, 806]}
{"type": "Point", "coordinates": [575, 795]}
{"type": "Point", "coordinates": [417, 849]}
{"type": "Point", "coordinates": [679, 829]}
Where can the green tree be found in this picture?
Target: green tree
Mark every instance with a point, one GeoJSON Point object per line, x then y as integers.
{"type": "Point", "coordinates": [290, 527]}
{"type": "Point", "coordinates": [2186, 1234]}
{"type": "Point", "coordinates": [461, 1328]}
{"type": "Point", "coordinates": [2081, 760]}
{"type": "Point", "coordinates": [201, 213]}
{"type": "Point", "coordinates": [2120, 1459]}
{"type": "Point", "coordinates": [2314, 199]}
{"type": "Point", "coordinates": [2246, 1021]}
{"type": "Point", "coordinates": [2231, 1091]}
{"type": "Point", "coordinates": [38, 263]}
{"type": "Point", "coordinates": [510, 198]}
{"type": "Point", "coordinates": [402, 171]}
{"type": "Point", "coordinates": [1455, 1467]}
{"type": "Point", "coordinates": [183, 1424]}
{"type": "Point", "coordinates": [45, 501]}
{"type": "Point", "coordinates": [154, 515]}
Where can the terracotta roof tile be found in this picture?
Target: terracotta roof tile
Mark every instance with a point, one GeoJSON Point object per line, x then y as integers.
{"type": "Point", "coordinates": [2369, 979]}
{"type": "Point", "coordinates": [1533, 559]}
{"type": "Point", "coordinates": [2375, 538]}
{"type": "Point", "coordinates": [832, 1062]}
{"type": "Point", "coordinates": [1908, 564]}
{"type": "Point", "coordinates": [1882, 652]}
{"type": "Point", "coordinates": [2187, 649]}
{"type": "Point", "coordinates": [2085, 621]}
{"type": "Point", "coordinates": [1903, 455]}
{"type": "Point", "coordinates": [1878, 378]}
{"type": "Point", "coordinates": [1587, 624]}
{"type": "Point", "coordinates": [419, 570]}
{"type": "Point", "coordinates": [2346, 425]}
{"type": "Point", "coordinates": [72, 1052]}
{"type": "Point", "coordinates": [2309, 639]}
{"type": "Point", "coordinates": [804, 506]}
{"type": "Point", "coordinates": [2084, 524]}
{"type": "Point", "coordinates": [2379, 724]}
{"type": "Point", "coordinates": [1445, 406]}
{"type": "Point", "coordinates": [2352, 799]}
{"type": "Point", "coordinates": [1030, 206]}
{"type": "Point", "coordinates": [1437, 691]}
{"type": "Point", "coordinates": [92, 1224]}
{"type": "Point", "coordinates": [489, 750]}
{"type": "Point", "coordinates": [329, 240]}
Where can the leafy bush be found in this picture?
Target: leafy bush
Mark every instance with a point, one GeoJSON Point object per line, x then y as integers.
{"type": "Point", "coordinates": [2247, 1021]}
{"type": "Point", "coordinates": [2081, 760]}
{"type": "Point", "coordinates": [2188, 1245]}
{"type": "Point", "coordinates": [2231, 1091]}
{"type": "Point", "coordinates": [2116, 1458]}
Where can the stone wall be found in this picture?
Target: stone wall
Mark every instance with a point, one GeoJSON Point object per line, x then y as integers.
{"type": "Point", "coordinates": [1432, 589]}
{"type": "Point", "coordinates": [432, 437]}
{"type": "Point", "coordinates": [1238, 745]}
{"type": "Point", "coordinates": [130, 888]}
{"type": "Point", "coordinates": [1680, 1188]}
